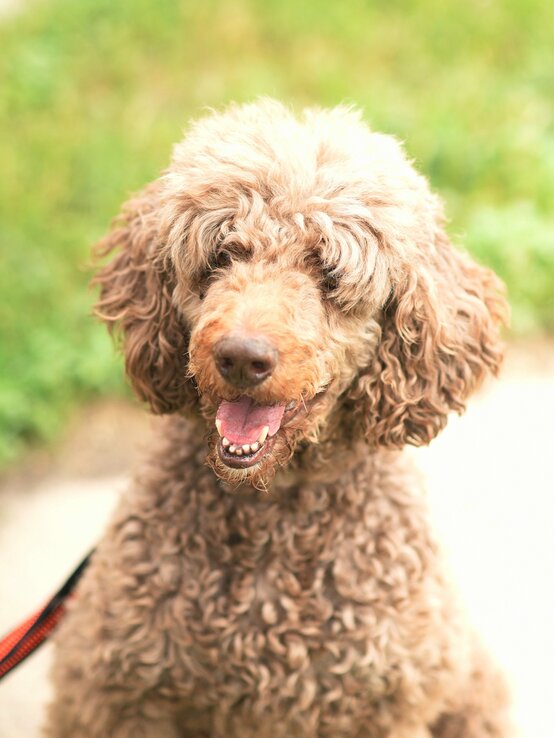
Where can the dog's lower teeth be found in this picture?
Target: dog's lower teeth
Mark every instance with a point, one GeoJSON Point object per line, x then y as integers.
{"type": "Point", "coordinates": [245, 449]}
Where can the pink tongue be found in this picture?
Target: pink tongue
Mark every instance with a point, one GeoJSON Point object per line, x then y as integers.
{"type": "Point", "coordinates": [242, 421]}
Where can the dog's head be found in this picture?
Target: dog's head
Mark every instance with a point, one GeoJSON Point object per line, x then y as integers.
{"type": "Point", "coordinates": [290, 280]}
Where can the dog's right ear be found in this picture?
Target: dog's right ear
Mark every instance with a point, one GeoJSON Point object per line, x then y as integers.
{"type": "Point", "coordinates": [136, 288]}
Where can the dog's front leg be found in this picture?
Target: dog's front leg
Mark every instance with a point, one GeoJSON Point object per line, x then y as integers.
{"type": "Point", "coordinates": [95, 717]}
{"type": "Point", "coordinates": [110, 668]}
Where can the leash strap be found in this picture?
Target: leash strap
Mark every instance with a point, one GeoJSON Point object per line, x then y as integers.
{"type": "Point", "coordinates": [30, 634]}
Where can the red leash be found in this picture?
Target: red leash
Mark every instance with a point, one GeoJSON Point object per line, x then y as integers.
{"type": "Point", "coordinates": [29, 635]}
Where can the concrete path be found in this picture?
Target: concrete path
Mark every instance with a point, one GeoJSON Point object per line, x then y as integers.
{"type": "Point", "coordinates": [491, 484]}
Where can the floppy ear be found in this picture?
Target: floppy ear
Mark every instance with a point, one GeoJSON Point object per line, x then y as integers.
{"type": "Point", "coordinates": [440, 338]}
{"type": "Point", "coordinates": [136, 289]}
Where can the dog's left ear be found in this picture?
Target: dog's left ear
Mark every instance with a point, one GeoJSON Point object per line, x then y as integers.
{"type": "Point", "coordinates": [440, 338]}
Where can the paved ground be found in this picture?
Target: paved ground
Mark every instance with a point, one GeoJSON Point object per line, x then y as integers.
{"type": "Point", "coordinates": [491, 483]}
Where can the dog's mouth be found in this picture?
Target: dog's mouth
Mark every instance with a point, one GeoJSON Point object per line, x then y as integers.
{"type": "Point", "coordinates": [248, 431]}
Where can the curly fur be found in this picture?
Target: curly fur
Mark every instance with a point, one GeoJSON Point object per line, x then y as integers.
{"type": "Point", "coordinates": [303, 597]}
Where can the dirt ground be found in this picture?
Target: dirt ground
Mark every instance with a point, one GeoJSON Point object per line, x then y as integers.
{"type": "Point", "coordinates": [491, 491]}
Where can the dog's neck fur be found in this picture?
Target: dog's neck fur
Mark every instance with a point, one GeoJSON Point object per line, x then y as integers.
{"type": "Point", "coordinates": [323, 463]}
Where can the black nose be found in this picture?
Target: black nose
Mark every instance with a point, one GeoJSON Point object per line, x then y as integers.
{"type": "Point", "coordinates": [245, 361]}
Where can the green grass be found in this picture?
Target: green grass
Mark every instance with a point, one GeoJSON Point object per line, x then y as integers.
{"type": "Point", "coordinates": [93, 93]}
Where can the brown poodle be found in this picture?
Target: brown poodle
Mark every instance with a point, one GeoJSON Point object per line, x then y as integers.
{"type": "Point", "coordinates": [287, 296]}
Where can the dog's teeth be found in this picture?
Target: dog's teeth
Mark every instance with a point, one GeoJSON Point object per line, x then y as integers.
{"type": "Point", "coordinates": [263, 434]}
{"type": "Point", "coordinates": [218, 426]}
{"type": "Point", "coordinates": [290, 405]}
{"type": "Point", "coordinates": [246, 448]}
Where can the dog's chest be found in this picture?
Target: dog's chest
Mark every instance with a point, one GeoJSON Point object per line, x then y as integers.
{"type": "Point", "coordinates": [284, 605]}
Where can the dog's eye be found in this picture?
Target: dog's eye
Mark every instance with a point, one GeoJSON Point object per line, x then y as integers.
{"type": "Point", "coordinates": [329, 280]}
{"type": "Point", "coordinates": [223, 259]}
{"type": "Point", "coordinates": [219, 260]}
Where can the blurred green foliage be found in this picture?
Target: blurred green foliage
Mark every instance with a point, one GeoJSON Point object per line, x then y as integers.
{"type": "Point", "coordinates": [93, 93]}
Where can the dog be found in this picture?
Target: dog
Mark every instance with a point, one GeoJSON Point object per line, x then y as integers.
{"type": "Point", "coordinates": [287, 297]}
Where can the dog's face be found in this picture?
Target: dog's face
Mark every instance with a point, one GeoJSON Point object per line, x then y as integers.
{"type": "Point", "coordinates": [272, 347]}
{"type": "Point", "coordinates": [290, 280]}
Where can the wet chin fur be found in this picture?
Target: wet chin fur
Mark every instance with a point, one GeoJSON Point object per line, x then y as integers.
{"type": "Point", "coordinates": [262, 473]}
